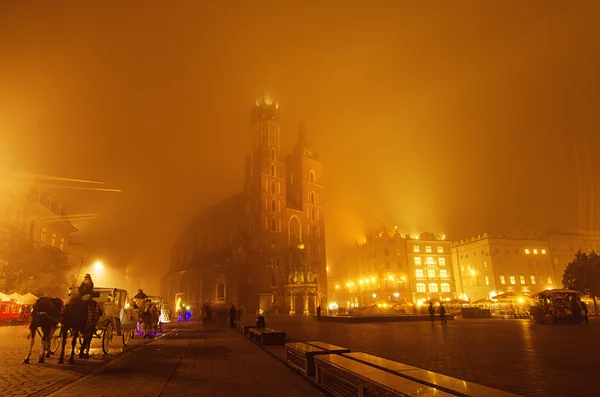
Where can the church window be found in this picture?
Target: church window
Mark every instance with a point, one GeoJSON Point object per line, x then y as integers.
{"type": "Point", "coordinates": [274, 225]}
{"type": "Point", "coordinates": [273, 154]}
{"type": "Point", "coordinates": [272, 169]}
{"type": "Point", "coordinates": [273, 205]}
{"type": "Point", "coordinates": [294, 232]}
{"type": "Point", "coordinates": [273, 187]}
{"type": "Point", "coordinates": [311, 176]}
{"type": "Point", "coordinates": [220, 291]}
{"type": "Point", "coordinates": [312, 198]}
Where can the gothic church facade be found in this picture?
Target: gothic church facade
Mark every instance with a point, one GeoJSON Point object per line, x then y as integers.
{"type": "Point", "coordinates": [264, 248]}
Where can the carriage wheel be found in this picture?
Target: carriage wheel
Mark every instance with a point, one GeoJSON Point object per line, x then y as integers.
{"type": "Point", "coordinates": [107, 336]}
{"type": "Point", "coordinates": [127, 337]}
{"type": "Point", "coordinates": [56, 340]}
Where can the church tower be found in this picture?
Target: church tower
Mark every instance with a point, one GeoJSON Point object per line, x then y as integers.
{"type": "Point", "coordinates": [305, 195]}
{"type": "Point", "coordinates": [266, 190]}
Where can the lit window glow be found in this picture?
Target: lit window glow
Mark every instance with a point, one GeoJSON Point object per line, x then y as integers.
{"type": "Point", "coordinates": [417, 260]}
{"type": "Point", "coordinates": [416, 248]}
{"type": "Point", "coordinates": [442, 261]}
{"type": "Point", "coordinates": [440, 250]}
{"type": "Point", "coordinates": [522, 279]}
{"type": "Point", "coordinates": [550, 280]}
{"type": "Point", "coordinates": [532, 279]}
{"type": "Point", "coordinates": [421, 287]}
{"type": "Point", "coordinates": [535, 252]}
{"type": "Point", "coordinates": [543, 252]}
{"type": "Point", "coordinates": [512, 280]}
{"type": "Point", "coordinates": [433, 287]}
{"type": "Point", "coordinates": [527, 251]}
{"type": "Point", "coordinates": [428, 248]}
{"type": "Point", "coordinates": [445, 287]}
{"type": "Point", "coordinates": [502, 280]}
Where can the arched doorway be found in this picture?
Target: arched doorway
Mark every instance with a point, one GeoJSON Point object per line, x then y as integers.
{"type": "Point", "coordinates": [299, 302]}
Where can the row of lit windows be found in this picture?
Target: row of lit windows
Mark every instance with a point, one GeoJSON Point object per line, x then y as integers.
{"type": "Point", "coordinates": [433, 287]}
{"type": "Point", "coordinates": [535, 251]}
{"type": "Point", "coordinates": [53, 241]}
{"type": "Point", "coordinates": [431, 273]}
{"type": "Point", "coordinates": [440, 249]}
{"type": "Point", "coordinates": [430, 261]}
{"type": "Point", "coordinates": [513, 280]}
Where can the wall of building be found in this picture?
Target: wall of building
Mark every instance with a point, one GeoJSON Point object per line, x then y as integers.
{"type": "Point", "coordinates": [489, 265]}
{"type": "Point", "coordinates": [399, 269]}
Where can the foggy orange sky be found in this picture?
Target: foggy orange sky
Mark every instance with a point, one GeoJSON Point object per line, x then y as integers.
{"type": "Point", "coordinates": [455, 117]}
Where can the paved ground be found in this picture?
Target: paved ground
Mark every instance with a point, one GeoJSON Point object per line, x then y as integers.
{"type": "Point", "coordinates": [512, 355]}
{"type": "Point", "coordinates": [17, 379]}
{"type": "Point", "coordinates": [194, 361]}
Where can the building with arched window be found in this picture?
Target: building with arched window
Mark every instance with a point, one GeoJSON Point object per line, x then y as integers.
{"type": "Point", "coordinates": [264, 248]}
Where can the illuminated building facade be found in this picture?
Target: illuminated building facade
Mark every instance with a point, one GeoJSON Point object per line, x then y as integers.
{"type": "Point", "coordinates": [489, 265]}
{"type": "Point", "coordinates": [264, 248]}
{"type": "Point", "coordinates": [25, 208]}
{"type": "Point", "coordinates": [399, 269]}
{"type": "Point", "coordinates": [565, 244]}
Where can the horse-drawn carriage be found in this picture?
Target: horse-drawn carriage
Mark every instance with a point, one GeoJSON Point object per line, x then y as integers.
{"type": "Point", "coordinates": [117, 319]}
{"type": "Point", "coordinates": [164, 313]}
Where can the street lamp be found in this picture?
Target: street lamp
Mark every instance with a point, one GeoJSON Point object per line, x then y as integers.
{"type": "Point", "coordinates": [99, 267]}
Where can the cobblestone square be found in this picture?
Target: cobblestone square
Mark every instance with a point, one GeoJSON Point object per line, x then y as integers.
{"type": "Point", "coordinates": [511, 355]}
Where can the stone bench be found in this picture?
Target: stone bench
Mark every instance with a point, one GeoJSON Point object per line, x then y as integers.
{"type": "Point", "coordinates": [267, 336]}
{"type": "Point", "coordinates": [342, 376]}
{"type": "Point", "coordinates": [301, 356]}
{"type": "Point", "coordinates": [329, 348]}
{"type": "Point", "coordinates": [272, 337]}
{"type": "Point", "coordinates": [441, 382]}
{"type": "Point", "coordinates": [245, 329]}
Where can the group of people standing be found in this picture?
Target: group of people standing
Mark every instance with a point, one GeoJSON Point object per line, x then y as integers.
{"type": "Point", "coordinates": [441, 311]}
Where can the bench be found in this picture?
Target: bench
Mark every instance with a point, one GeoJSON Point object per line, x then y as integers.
{"type": "Point", "coordinates": [342, 376]}
{"type": "Point", "coordinates": [444, 383]}
{"type": "Point", "coordinates": [329, 348]}
{"type": "Point", "coordinates": [245, 329]}
{"type": "Point", "coordinates": [267, 336]}
{"type": "Point", "coordinates": [301, 356]}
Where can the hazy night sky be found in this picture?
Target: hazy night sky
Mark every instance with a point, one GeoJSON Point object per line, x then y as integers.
{"type": "Point", "coordinates": [455, 117]}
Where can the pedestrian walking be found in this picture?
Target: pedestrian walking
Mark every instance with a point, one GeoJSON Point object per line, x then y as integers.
{"type": "Point", "coordinates": [231, 316]}
{"type": "Point", "coordinates": [443, 314]}
{"type": "Point", "coordinates": [319, 313]}
{"type": "Point", "coordinates": [431, 312]}
{"type": "Point", "coordinates": [584, 311]}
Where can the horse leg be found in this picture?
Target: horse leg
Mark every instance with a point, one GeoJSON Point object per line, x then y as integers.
{"type": "Point", "coordinates": [65, 332]}
{"type": "Point", "coordinates": [73, 344]}
{"type": "Point", "coordinates": [43, 348]}
{"type": "Point", "coordinates": [31, 343]}
{"type": "Point", "coordinates": [85, 348]}
{"type": "Point", "coordinates": [50, 336]}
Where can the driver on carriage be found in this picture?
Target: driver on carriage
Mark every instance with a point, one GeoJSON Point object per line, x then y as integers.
{"type": "Point", "coordinates": [85, 291]}
{"type": "Point", "coordinates": [139, 299]}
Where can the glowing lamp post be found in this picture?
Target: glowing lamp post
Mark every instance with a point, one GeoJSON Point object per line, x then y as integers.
{"type": "Point", "coordinates": [99, 268]}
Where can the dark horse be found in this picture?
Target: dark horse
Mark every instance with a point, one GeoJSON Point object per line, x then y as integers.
{"type": "Point", "coordinates": [79, 316]}
{"type": "Point", "coordinates": [45, 314]}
